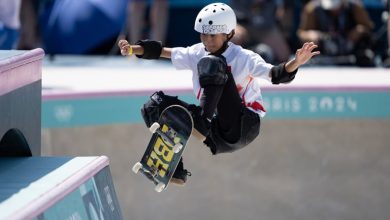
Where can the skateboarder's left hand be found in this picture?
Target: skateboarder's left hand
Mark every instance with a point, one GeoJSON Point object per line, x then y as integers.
{"type": "Point", "coordinates": [305, 53]}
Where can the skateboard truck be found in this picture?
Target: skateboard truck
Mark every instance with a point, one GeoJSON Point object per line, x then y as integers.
{"type": "Point", "coordinates": [150, 175]}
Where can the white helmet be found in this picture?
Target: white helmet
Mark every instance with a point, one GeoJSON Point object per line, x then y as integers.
{"type": "Point", "coordinates": [215, 18]}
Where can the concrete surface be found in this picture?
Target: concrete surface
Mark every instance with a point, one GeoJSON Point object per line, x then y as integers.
{"type": "Point", "coordinates": [20, 101]}
{"type": "Point", "coordinates": [296, 170]}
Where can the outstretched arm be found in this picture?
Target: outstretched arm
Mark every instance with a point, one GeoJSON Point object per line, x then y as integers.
{"type": "Point", "coordinates": [285, 72]}
{"type": "Point", "coordinates": [304, 54]}
{"type": "Point", "coordinates": [128, 50]}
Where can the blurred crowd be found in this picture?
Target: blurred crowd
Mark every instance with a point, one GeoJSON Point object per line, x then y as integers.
{"type": "Point", "coordinates": [345, 30]}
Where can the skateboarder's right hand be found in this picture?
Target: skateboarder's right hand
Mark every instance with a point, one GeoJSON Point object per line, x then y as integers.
{"type": "Point", "coordinates": [125, 47]}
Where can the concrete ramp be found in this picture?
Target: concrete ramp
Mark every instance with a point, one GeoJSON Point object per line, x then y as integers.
{"type": "Point", "coordinates": [20, 102]}
{"type": "Point", "coordinates": [40, 188]}
{"type": "Point", "coordinates": [57, 188]}
{"type": "Point", "coordinates": [319, 170]}
{"type": "Point", "coordinates": [323, 152]}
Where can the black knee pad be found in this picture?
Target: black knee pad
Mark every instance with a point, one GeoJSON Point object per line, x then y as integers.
{"type": "Point", "coordinates": [212, 70]}
{"type": "Point", "coordinates": [152, 109]}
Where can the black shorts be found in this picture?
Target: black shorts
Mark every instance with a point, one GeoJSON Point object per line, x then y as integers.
{"type": "Point", "coordinates": [248, 130]}
{"type": "Point", "coordinates": [232, 128]}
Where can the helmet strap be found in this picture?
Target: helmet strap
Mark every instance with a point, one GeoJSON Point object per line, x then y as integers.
{"type": "Point", "coordinates": [225, 44]}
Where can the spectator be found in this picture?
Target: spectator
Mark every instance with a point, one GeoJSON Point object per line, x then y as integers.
{"type": "Point", "coordinates": [386, 62]}
{"type": "Point", "coordinates": [29, 30]}
{"type": "Point", "coordinates": [286, 21]}
{"type": "Point", "coordinates": [9, 23]}
{"type": "Point", "coordinates": [159, 12]}
{"type": "Point", "coordinates": [339, 27]}
{"type": "Point", "coordinates": [258, 23]}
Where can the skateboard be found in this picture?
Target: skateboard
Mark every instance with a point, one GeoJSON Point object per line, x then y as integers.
{"type": "Point", "coordinates": [164, 151]}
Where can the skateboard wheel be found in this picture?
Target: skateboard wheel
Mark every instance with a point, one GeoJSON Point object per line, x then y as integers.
{"type": "Point", "coordinates": [177, 148]}
{"type": "Point", "coordinates": [160, 187]}
{"type": "Point", "coordinates": [137, 167]}
{"type": "Point", "coordinates": [154, 127]}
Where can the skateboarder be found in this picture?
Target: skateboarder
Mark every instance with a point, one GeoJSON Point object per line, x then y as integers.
{"type": "Point", "coordinates": [225, 81]}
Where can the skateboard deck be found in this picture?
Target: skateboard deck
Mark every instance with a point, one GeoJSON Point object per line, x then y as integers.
{"type": "Point", "coordinates": [164, 151]}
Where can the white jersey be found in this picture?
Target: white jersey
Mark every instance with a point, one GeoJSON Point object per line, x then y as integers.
{"type": "Point", "coordinates": [246, 66]}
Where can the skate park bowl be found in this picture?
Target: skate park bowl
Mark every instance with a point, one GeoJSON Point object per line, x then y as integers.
{"type": "Point", "coordinates": [20, 102]}
{"type": "Point", "coordinates": [323, 152]}
{"type": "Point", "coordinates": [37, 187]}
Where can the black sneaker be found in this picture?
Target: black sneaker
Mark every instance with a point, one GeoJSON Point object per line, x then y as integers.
{"type": "Point", "coordinates": [180, 175]}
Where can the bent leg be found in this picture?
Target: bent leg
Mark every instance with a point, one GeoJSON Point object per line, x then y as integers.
{"type": "Point", "coordinates": [220, 94]}
{"type": "Point", "coordinates": [212, 78]}
{"type": "Point", "coordinates": [229, 111]}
